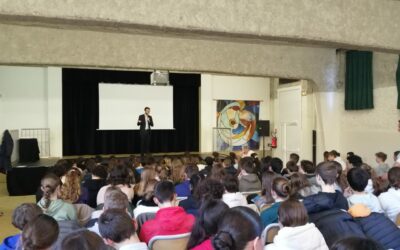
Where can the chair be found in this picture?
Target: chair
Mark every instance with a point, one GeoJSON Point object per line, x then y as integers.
{"type": "Point", "coordinates": [84, 213]}
{"type": "Point", "coordinates": [176, 242]}
{"type": "Point", "coordinates": [270, 232]}
{"type": "Point", "coordinates": [398, 220]}
{"type": "Point", "coordinates": [142, 218]}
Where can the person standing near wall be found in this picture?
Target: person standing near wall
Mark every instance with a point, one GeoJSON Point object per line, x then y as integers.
{"type": "Point", "coordinates": [145, 121]}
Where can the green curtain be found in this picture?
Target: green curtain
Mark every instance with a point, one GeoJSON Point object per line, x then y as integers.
{"type": "Point", "coordinates": [398, 83]}
{"type": "Point", "coordinates": [359, 83]}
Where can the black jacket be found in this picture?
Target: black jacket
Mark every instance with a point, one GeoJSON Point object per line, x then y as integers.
{"type": "Point", "coordinates": [6, 149]}
{"type": "Point", "coordinates": [325, 210]}
{"type": "Point", "coordinates": [335, 224]}
{"type": "Point", "coordinates": [324, 201]}
{"type": "Point", "coordinates": [142, 122]}
{"type": "Point", "coordinates": [381, 229]}
{"type": "Point", "coordinates": [93, 186]}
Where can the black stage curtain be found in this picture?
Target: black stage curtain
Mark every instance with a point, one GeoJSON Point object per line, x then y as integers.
{"type": "Point", "coordinates": [81, 114]}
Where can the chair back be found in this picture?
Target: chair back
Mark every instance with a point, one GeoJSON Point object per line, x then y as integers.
{"type": "Point", "coordinates": [176, 242]}
{"type": "Point", "coordinates": [269, 233]}
{"type": "Point", "coordinates": [398, 220]}
{"type": "Point", "coordinates": [142, 218]}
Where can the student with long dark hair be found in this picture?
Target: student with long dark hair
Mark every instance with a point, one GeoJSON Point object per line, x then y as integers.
{"type": "Point", "coordinates": [239, 229]}
{"type": "Point", "coordinates": [206, 224]}
{"type": "Point", "coordinates": [280, 192]}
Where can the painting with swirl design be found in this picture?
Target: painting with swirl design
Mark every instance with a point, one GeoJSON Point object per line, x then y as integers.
{"type": "Point", "coordinates": [241, 117]}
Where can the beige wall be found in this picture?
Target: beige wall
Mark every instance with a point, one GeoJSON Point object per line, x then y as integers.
{"type": "Point", "coordinates": [338, 23]}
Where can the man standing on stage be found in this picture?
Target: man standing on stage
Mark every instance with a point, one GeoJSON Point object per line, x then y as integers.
{"type": "Point", "coordinates": [145, 122]}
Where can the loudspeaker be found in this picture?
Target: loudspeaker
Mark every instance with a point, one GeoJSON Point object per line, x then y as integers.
{"type": "Point", "coordinates": [263, 128]}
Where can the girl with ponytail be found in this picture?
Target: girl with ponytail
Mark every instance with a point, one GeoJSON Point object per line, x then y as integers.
{"type": "Point", "coordinates": [280, 192]}
{"type": "Point", "coordinates": [239, 229]}
{"type": "Point", "coordinates": [50, 202]}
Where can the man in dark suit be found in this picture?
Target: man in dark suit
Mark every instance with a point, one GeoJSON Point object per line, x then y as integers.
{"type": "Point", "coordinates": [145, 121]}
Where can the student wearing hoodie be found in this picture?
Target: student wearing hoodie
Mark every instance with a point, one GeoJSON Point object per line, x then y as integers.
{"type": "Point", "coordinates": [51, 204]}
{"type": "Point", "coordinates": [297, 233]}
{"type": "Point", "coordinates": [390, 200]}
{"type": "Point", "coordinates": [248, 180]}
{"type": "Point", "coordinates": [170, 219]}
{"type": "Point", "coordinates": [232, 197]}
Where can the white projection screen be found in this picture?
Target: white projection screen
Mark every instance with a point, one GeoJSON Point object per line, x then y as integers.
{"type": "Point", "coordinates": [121, 104]}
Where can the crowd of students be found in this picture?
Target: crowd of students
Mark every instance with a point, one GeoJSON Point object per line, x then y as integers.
{"type": "Point", "coordinates": [223, 202]}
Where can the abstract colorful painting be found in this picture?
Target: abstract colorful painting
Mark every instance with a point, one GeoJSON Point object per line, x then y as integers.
{"type": "Point", "coordinates": [241, 118]}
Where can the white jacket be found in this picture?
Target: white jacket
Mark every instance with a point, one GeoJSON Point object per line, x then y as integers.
{"type": "Point", "coordinates": [306, 237]}
{"type": "Point", "coordinates": [390, 202]}
{"type": "Point", "coordinates": [234, 199]}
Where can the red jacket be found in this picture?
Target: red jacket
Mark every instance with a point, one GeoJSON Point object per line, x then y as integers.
{"type": "Point", "coordinates": [168, 221]}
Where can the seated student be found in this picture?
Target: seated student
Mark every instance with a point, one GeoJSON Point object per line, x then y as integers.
{"type": "Point", "coordinates": [23, 214]}
{"type": "Point", "coordinates": [239, 229]}
{"type": "Point", "coordinates": [183, 188]}
{"type": "Point", "coordinates": [83, 240]}
{"type": "Point", "coordinates": [170, 219]}
{"type": "Point", "coordinates": [356, 243]}
{"type": "Point", "coordinates": [206, 171]}
{"type": "Point", "coordinates": [39, 233]}
{"type": "Point", "coordinates": [232, 197]}
{"type": "Point", "coordinates": [358, 180]}
{"type": "Point", "coordinates": [390, 200]}
{"type": "Point", "coordinates": [308, 169]}
{"type": "Point", "coordinates": [119, 177]}
{"type": "Point", "coordinates": [148, 175]}
{"type": "Point", "coordinates": [376, 226]}
{"type": "Point", "coordinates": [328, 198]}
{"type": "Point", "coordinates": [300, 187]}
{"type": "Point", "coordinates": [94, 184]}
{"type": "Point", "coordinates": [118, 230]}
{"type": "Point", "coordinates": [265, 200]}
{"type": "Point", "coordinates": [114, 199]}
{"type": "Point", "coordinates": [51, 204]}
{"type": "Point", "coordinates": [294, 158]}
{"type": "Point", "coordinates": [248, 180]}
{"type": "Point", "coordinates": [206, 225]}
{"type": "Point", "coordinates": [396, 157]}
{"type": "Point", "coordinates": [191, 204]}
{"type": "Point", "coordinates": [291, 167]}
{"type": "Point", "coordinates": [280, 191]}
{"type": "Point", "coordinates": [296, 233]}
{"type": "Point", "coordinates": [276, 165]}
{"type": "Point", "coordinates": [147, 204]}
{"type": "Point", "coordinates": [71, 190]}
{"type": "Point", "coordinates": [228, 164]}
{"type": "Point", "coordinates": [354, 161]}
{"type": "Point", "coordinates": [335, 156]}
{"type": "Point", "coordinates": [217, 172]}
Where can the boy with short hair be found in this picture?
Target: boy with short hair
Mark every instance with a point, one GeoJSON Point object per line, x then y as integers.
{"type": "Point", "coordinates": [170, 219]}
{"type": "Point", "coordinates": [23, 214]}
{"type": "Point", "coordinates": [358, 180]}
{"type": "Point", "coordinates": [119, 230]}
{"type": "Point", "coordinates": [383, 168]}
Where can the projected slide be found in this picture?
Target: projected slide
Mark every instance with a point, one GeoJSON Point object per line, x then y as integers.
{"type": "Point", "coordinates": [121, 104]}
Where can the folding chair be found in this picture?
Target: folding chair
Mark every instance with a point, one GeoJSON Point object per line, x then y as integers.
{"type": "Point", "coordinates": [269, 233]}
{"type": "Point", "coordinates": [176, 242]}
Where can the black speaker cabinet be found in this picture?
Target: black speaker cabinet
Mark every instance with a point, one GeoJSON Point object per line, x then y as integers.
{"type": "Point", "coordinates": [263, 128]}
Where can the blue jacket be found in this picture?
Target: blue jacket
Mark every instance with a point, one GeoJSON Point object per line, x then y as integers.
{"type": "Point", "coordinates": [10, 243]}
{"type": "Point", "coordinates": [270, 215]}
{"type": "Point", "coordinates": [183, 189]}
{"type": "Point", "coordinates": [381, 229]}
